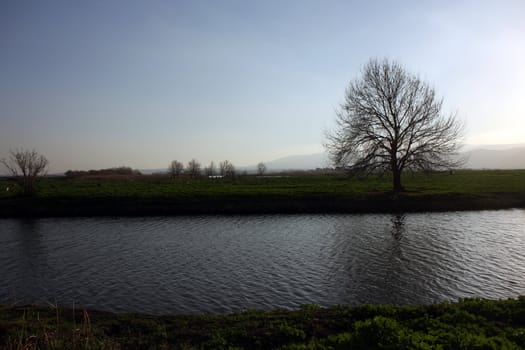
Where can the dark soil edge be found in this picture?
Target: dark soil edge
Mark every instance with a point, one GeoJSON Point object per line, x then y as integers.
{"type": "Point", "coordinates": [249, 204]}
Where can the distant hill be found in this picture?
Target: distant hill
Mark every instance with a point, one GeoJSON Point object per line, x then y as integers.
{"type": "Point", "coordinates": [477, 157]}
{"type": "Point", "coordinates": [513, 158]}
{"type": "Point", "coordinates": [299, 162]}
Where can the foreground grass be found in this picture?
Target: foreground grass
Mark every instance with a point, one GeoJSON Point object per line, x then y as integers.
{"type": "Point", "coordinates": [468, 324]}
{"type": "Point", "coordinates": [150, 195]}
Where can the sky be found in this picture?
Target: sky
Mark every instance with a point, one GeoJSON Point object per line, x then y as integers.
{"type": "Point", "coordinates": [103, 83]}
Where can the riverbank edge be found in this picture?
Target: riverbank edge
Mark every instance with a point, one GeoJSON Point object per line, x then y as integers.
{"type": "Point", "coordinates": [468, 323]}
{"type": "Point", "coordinates": [255, 204]}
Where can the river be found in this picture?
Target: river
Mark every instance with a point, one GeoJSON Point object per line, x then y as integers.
{"type": "Point", "coordinates": [201, 264]}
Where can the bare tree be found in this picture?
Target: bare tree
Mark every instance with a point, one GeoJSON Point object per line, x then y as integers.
{"type": "Point", "coordinates": [391, 121]}
{"type": "Point", "coordinates": [261, 168]}
{"type": "Point", "coordinates": [175, 168]}
{"type": "Point", "coordinates": [193, 168]}
{"type": "Point", "coordinates": [26, 166]}
{"type": "Point", "coordinates": [210, 169]}
{"type": "Point", "coordinates": [226, 168]}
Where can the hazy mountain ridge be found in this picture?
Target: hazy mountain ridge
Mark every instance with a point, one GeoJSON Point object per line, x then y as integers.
{"type": "Point", "coordinates": [300, 162]}
{"type": "Point", "coordinates": [484, 157]}
{"type": "Point", "coordinates": [477, 157]}
{"type": "Point", "coordinates": [513, 158]}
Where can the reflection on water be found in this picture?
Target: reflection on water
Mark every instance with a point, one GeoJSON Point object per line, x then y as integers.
{"type": "Point", "coordinates": [219, 264]}
{"type": "Point", "coordinates": [30, 262]}
{"type": "Point", "coordinates": [398, 225]}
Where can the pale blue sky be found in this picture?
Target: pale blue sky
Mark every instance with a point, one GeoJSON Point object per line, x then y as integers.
{"type": "Point", "coordinates": [93, 84]}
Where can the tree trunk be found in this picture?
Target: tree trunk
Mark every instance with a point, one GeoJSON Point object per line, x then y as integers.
{"type": "Point", "coordinates": [397, 181]}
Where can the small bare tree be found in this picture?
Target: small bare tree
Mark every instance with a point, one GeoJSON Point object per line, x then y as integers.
{"type": "Point", "coordinates": [210, 169]}
{"type": "Point", "coordinates": [175, 168]}
{"type": "Point", "coordinates": [193, 168]}
{"type": "Point", "coordinates": [391, 121]}
{"type": "Point", "coordinates": [26, 166]}
{"type": "Point", "coordinates": [261, 168]}
{"type": "Point", "coordinates": [226, 168]}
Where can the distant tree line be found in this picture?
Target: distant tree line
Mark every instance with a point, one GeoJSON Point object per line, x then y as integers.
{"type": "Point", "coordinates": [194, 169]}
{"type": "Point", "coordinates": [122, 170]}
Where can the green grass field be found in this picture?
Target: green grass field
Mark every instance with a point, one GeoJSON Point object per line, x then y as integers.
{"type": "Point", "coordinates": [461, 182]}
{"type": "Point", "coordinates": [468, 324]}
{"type": "Point", "coordinates": [158, 195]}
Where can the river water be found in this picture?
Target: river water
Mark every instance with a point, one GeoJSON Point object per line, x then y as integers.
{"type": "Point", "coordinates": [167, 265]}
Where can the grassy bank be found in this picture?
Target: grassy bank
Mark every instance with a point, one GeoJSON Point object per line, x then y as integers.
{"type": "Point", "coordinates": [157, 195]}
{"type": "Point", "coordinates": [468, 324]}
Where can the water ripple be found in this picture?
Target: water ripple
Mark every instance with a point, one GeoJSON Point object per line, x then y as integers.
{"type": "Point", "coordinates": [222, 264]}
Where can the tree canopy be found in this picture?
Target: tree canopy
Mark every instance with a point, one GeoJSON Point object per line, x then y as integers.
{"type": "Point", "coordinates": [391, 121]}
{"type": "Point", "coordinates": [26, 166]}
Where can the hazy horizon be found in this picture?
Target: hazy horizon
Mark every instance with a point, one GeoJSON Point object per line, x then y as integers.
{"type": "Point", "coordinates": [102, 84]}
{"type": "Point", "coordinates": [488, 156]}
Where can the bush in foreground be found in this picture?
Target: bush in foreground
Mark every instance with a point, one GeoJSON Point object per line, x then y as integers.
{"type": "Point", "coordinates": [467, 324]}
